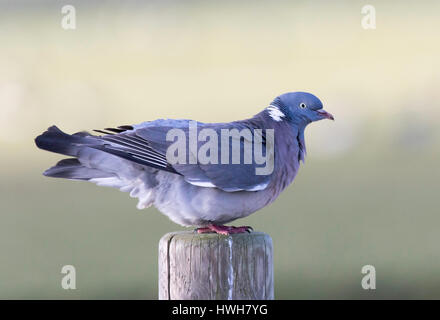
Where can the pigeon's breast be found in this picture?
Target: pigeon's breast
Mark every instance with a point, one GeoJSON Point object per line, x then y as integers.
{"type": "Point", "coordinates": [288, 153]}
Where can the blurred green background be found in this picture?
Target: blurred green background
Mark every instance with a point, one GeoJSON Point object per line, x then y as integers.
{"type": "Point", "coordinates": [367, 194]}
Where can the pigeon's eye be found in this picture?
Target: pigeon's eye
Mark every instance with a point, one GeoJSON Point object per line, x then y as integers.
{"type": "Point", "coordinates": [302, 105]}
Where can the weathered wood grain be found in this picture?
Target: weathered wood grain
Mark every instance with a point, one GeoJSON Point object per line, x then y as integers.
{"type": "Point", "coordinates": [211, 266]}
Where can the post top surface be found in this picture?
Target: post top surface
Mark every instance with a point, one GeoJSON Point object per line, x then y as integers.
{"type": "Point", "coordinates": [192, 235]}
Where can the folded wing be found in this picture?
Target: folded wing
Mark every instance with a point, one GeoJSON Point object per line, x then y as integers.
{"type": "Point", "coordinates": [147, 144]}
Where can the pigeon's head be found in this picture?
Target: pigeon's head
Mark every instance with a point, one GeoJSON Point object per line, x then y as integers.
{"type": "Point", "coordinates": [300, 108]}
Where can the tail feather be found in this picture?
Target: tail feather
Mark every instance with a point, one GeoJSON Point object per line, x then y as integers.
{"type": "Point", "coordinates": [57, 141]}
{"type": "Point", "coordinates": [73, 169]}
{"type": "Point", "coordinates": [97, 166]}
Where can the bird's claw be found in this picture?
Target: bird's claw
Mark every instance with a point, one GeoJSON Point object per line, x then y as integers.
{"type": "Point", "coordinates": [224, 230]}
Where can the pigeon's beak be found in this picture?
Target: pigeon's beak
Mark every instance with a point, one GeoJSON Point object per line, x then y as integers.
{"type": "Point", "coordinates": [325, 114]}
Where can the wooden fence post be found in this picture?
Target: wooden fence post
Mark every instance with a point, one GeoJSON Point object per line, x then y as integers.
{"type": "Point", "coordinates": [211, 266]}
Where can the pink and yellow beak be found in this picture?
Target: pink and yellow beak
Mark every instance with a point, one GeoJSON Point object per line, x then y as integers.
{"type": "Point", "coordinates": [325, 114]}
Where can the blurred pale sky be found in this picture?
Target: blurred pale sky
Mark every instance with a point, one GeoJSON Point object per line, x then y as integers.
{"type": "Point", "coordinates": [125, 64]}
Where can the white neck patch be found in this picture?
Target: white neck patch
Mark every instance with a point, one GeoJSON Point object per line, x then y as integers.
{"type": "Point", "coordinates": [275, 113]}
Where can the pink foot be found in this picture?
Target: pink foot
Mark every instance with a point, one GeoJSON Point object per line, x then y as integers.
{"type": "Point", "coordinates": [226, 230]}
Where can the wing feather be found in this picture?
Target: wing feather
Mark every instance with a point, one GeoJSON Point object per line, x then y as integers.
{"type": "Point", "coordinates": [146, 144]}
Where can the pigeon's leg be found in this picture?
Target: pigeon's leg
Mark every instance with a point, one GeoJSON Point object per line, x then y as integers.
{"type": "Point", "coordinates": [226, 230]}
{"type": "Point", "coordinates": [203, 230]}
